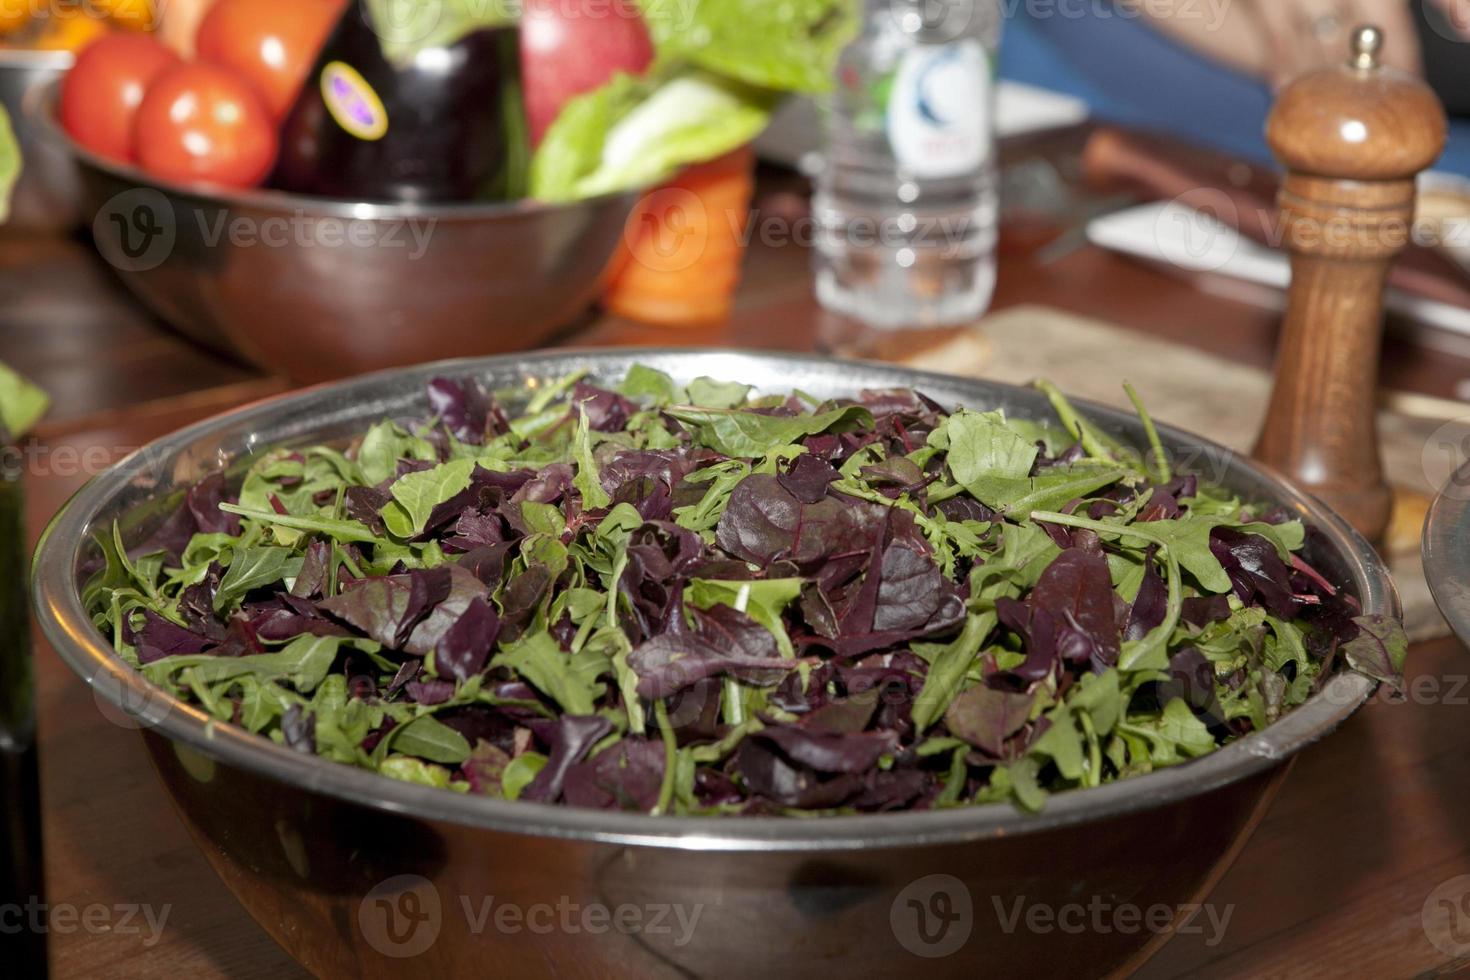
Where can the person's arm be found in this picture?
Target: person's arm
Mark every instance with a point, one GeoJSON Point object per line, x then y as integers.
{"type": "Point", "coordinates": [1277, 40]}
{"type": "Point", "coordinates": [1221, 31]}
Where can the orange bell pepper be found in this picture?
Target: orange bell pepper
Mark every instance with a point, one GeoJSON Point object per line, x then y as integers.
{"type": "Point", "coordinates": [680, 260]}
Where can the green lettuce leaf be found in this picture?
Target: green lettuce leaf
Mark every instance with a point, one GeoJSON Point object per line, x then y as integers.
{"type": "Point", "coordinates": [788, 46]}
{"type": "Point", "coordinates": [9, 163]}
{"type": "Point", "coordinates": [635, 133]}
{"type": "Point", "coordinates": [21, 403]}
{"type": "Point", "coordinates": [406, 27]}
{"type": "Point", "coordinates": [735, 432]}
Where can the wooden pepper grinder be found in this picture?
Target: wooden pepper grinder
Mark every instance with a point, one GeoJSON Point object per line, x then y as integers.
{"type": "Point", "coordinates": [1353, 139]}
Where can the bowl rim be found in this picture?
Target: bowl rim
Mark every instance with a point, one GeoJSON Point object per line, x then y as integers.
{"type": "Point", "coordinates": [68, 627]}
{"type": "Point", "coordinates": [53, 58]}
{"type": "Point", "coordinates": [1443, 551]}
{"type": "Point", "coordinates": [39, 106]}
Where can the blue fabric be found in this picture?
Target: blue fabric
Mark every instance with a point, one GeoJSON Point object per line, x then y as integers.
{"type": "Point", "coordinates": [1129, 73]}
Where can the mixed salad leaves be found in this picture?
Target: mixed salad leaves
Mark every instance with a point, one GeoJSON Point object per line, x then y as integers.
{"type": "Point", "coordinates": [687, 599]}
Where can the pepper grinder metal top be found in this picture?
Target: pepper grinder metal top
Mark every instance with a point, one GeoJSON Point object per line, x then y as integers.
{"type": "Point", "coordinates": [1353, 138]}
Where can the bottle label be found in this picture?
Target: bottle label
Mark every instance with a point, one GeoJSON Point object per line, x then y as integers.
{"type": "Point", "coordinates": [352, 101]}
{"type": "Point", "coordinates": [939, 109]}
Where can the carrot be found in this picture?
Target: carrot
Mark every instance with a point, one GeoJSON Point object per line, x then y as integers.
{"type": "Point", "coordinates": [680, 260]}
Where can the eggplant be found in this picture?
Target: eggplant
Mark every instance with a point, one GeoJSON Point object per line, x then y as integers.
{"type": "Point", "coordinates": [445, 124]}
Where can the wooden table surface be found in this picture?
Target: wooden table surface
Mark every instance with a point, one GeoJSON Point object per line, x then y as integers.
{"type": "Point", "coordinates": [1334, 882]}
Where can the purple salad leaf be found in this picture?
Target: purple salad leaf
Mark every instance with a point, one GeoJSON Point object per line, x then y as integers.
{"type": "Point", "coordinates": [571, 740]}
{"type": "Point", "coordinates": [829, 752]}
{"type": "Point", "coordinates": [451, 605]}
{"type": "Point", "coordinates": [159, 638]}
{"type": "Point", "coordinates": [430, 691]}
{"type": "Point", "coordinates": [808, 478]}
{"type": "Point", "coordinates": [464, 407]}
{"type": "Point", "coordinates": [987, 717]}
{"type": "Point", "coordinates": [912, 591]}
{"type": "Point", "coordinates": [768, 773]}
{"type": "Point", "coordinates": [1150, 604]}
{"type": "Point", "coordinates": [387, 609]}
{"type": "Point", "coordinates": [1076, 589]}
{"type": "Point", "coordinates": [724, 642]}
{"type": "Point", "coordinates": [627, 776]}
{"type": "Point", "coordinates": [1038, 631]}
{"type": "Point", "coordinates": [1257, 573]}
{"type": "Point", "coordinates": [485, 768]}
{"type": "Point", "coordinates": [463, 649]}
{"type": "Point", "coordinates": [763, 522]}
{"type": "Point", "coordinates": [1201, 611]}
{"type": "Point", "coordinates": [1379, 650]}
{"type": "Point", "coordinates": [1192, 680]}
{"type": "Point", "coordinates": [203, 500]}
{"type": "Point", "coordinates": [606, 411]}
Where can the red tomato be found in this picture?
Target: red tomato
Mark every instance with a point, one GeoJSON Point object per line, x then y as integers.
{"type": "Point", "coordinates": [200, 122]}
{"type": "Point", "coordinates": [270, 43]}
{"type": "Point", "coordinates": [102, 92]}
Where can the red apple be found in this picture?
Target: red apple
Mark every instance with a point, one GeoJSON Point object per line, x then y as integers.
{"type": "Point", "coordinates": [573, 46]}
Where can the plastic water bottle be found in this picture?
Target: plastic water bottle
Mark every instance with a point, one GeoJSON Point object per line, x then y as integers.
{"type": "Point", "coordinates": [905, 206]}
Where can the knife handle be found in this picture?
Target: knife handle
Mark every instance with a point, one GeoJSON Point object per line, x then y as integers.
{"type": "Point", "coordinates": [1237, 194]}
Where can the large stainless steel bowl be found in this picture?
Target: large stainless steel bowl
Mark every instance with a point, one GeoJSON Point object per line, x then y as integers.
{"type": "Point", "coordinates": [45, 196]}
{"type": "Point", "coordinates": [318, 289]}
{"type": "Point", "coordinates": [355, 874]}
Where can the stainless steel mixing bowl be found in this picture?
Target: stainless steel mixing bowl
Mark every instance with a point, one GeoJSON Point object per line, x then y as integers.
{"type": "Point", "coordinates": [355, 874]}
{"type": "Point", "coordinates": [318, 289]}
{"type": "Point", "coordinates": [45, 196]}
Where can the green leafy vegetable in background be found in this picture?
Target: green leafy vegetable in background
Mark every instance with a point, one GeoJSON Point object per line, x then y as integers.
{"type": "Point", "coordinates": [10, 163]}
{"type": "Point", "coordinates": [790, 46]}
{"type": "Point", "coordinates": [405, 27]}
{"type": "Point", "coordinates": [636, 132]}
{"type": "Point", "coordinates": [21, 404]}
{"type": "Point", "coordinates": [689, 599]}
{"type": "Point", "coordinates": [722, 67]}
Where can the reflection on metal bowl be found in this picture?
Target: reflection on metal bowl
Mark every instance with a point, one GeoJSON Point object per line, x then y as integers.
{"type": "Point", "coordinates": [1446, 551]}
{"type": "Point", "coordinates": [358, 875]}
{"type": "Point", "coordinates": [45, 197]}
{"type": "Point", "coordinates": [318, 289]}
